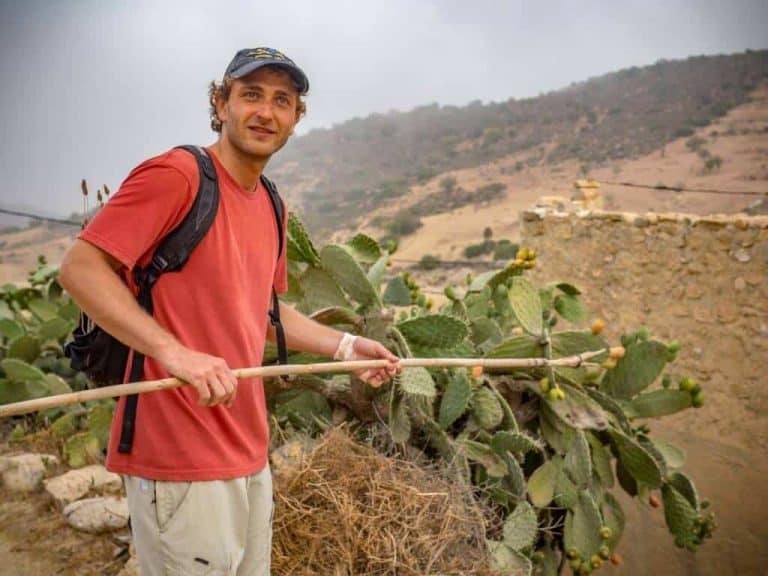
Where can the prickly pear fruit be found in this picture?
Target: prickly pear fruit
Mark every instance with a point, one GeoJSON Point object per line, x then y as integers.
{"type": "Point", "coordinates": [687, 384]}
{"type": "Point", "coordinates": [598, 326]}
{"type": "Point", "coordinates": [673, 347]}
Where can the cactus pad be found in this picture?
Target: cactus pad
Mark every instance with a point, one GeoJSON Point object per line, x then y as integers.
{"type": "Point", "coordinates": [678, 513]}
{"type": "Point", "coordinates": [399, 422]}
{"type": "Point", "coordinates": [433, 331]}
{"type": "Point", "coordinates": [520, 527]}
{"type": "Point", "coordinates": [659, 403]}
{"type": "Point", "coordinates": [299, 244]}
{"type": "Point", "coordinates": [364, 248]}
{"type": "Point", "coordinates": [637, 460]}
{"type": "Point", "coordinates": [348, 274]}
{"type": "Point", "coordinates": [542, 483]}
{"type": "Point", "coordinates": [582, 526]}
{"type": "Point", "coordinates": [24, 347]}
{"type": "Point", "coordinates": [642, 363]}
{"type": "Point", "coordinates": [417, 381]}
{"type": "Point", "coordinates": [455, 399]}
{"type": "Point", "coordinates": [526, 306]}
{"type": "Point", "coordinates": [396, 293]}
{"type": "Point", "coordinates": [486, 408]}
{"type": "Point", "coordinates": [321, 291]}
{"type": "Point", "coordinates": [578, 463]}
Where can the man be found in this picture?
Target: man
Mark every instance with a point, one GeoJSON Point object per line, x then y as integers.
{"type": "Point", "coordinates": [197, 476]}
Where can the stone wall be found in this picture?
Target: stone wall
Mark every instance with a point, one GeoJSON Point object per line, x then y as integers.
{"type": "Point", "coordinates": [703, 281]}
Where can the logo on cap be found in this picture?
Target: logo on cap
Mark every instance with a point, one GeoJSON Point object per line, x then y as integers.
{"type": "Point", "coordinates": [268, 54]}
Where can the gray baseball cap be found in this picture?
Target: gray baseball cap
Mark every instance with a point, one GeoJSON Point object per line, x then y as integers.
{"type": "Point", "coordinates": [249, 59]}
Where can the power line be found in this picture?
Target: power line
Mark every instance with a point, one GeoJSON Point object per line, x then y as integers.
{"type": "Point", "coordinates": [683, 189]}
{"type": "Point", "coordinates": [39, 217]}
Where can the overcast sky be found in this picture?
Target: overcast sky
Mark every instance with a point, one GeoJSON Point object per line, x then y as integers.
{"type": "Point", "coordinates": [92, 87]}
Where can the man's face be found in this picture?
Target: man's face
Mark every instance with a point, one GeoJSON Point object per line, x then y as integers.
{"type": "Point", "coordinates": [260, 113]}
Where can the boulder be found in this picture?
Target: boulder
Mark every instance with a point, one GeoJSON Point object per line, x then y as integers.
{"type": "Point", "coordinates": [25, 472]}
{"type": "Point", "coordinates": [77, 483]}
{"type": "Point", "coordinates": [96, 515]}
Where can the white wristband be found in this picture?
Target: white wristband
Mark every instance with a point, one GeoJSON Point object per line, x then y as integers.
{"type": "Point", "coordinates": [345, 350]}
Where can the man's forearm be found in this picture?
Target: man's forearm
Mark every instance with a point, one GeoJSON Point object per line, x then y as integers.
{"type": "Point", "coordinates": [88, 275]}
{"type": "Point", "coordinates": [304, 334]}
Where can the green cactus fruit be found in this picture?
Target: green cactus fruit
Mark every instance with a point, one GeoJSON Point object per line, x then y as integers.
{"type": "Point", "coordinates": [696, 389]}
{"type": "Point", "coordinates": [643, 334]}
{"type": "Point", "coordinates": [605, 552]}
{"type": "Point", "coordinates": [572, 553]}
{"type": "Point", "coordinates": [605, 532]}
{"type": "Point", "coordinates": [673, 347]}
{"type": "Point", "coordinates": [450, 293]}
{"type": "Point", "coordinates": [697, 401]}
{"type": "Point", "coordinates": [544, 385]}
{"type": "Point", "coordinates": [575, 564]}
{"type": "Point", "coordinates": [687, 384]}
{"type": "Point", "coordinates": [666, 382]}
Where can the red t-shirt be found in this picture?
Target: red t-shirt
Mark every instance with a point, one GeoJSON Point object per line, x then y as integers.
{"type": "Point", "coordinates": [218, 304]}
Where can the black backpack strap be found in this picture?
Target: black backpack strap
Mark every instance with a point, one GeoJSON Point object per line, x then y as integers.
{"type": "Point", "coordinates": [274, 313]}
{"type": "Point", "coordinates": [170, 256]}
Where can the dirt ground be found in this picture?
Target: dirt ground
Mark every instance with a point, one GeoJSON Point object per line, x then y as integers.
{"type": "Point", "coordinates": [35, 540]}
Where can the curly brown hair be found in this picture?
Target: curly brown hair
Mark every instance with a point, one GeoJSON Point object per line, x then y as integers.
{"type": "Point", "coordinates": [222, 90]}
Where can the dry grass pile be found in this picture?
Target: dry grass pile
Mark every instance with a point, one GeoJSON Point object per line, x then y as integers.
{"type": "Point", "coordinates": [345, 510]}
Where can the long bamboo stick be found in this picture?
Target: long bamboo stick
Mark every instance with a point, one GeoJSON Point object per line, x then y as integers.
{"type": "Point", "coordinates": [28, 406]}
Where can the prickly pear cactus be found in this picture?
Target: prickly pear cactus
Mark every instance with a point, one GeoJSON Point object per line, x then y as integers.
{"type": "Point", "coordinates": [544, 447]}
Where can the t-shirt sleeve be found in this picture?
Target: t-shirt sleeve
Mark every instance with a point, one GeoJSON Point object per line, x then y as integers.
{"type": "Point", "coordinates": [149, 204]}
{"type": "Point", "coordinates": [280, 281]}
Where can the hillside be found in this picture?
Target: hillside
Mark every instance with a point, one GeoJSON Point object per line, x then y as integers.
{"type": "Point", "coordinates": [659, 124]}
{"type": "Point", "coordinates": [336, 175]}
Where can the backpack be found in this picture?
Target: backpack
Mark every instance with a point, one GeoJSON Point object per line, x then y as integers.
{"type": "Point", "coordinates": [100, 355]}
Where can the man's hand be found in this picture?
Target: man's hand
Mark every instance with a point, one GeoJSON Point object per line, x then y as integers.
{"type": "Point", "coordinates": [367, 349]}
{"type": "Point", "coordinates": [211, 377]}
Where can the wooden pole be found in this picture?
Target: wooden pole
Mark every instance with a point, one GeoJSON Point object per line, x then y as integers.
{"type": "Point", "coordinates": [289, 370]}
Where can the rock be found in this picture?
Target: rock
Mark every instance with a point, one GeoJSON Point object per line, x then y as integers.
{"type": "Point", "coordinates": [131, 568]}
{"type": "Point", "coordinates": [96, 515]}
{"type": "Point", "coordinates": [693, 291]}
{"type": "Point", "coordinates": [742, 255]}
{"type": "Point", "coordinates": [739, 284]}
{"type": "Point", "coordinates": [25, 472]}
{"type": "Point", "coordinates": [76, 483]}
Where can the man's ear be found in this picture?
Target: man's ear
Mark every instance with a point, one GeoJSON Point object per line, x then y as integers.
{"type": "Point", "coordinates": [221, 109]}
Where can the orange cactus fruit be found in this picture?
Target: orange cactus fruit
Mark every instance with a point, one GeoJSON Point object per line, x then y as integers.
{"type": "Point", "coordinates": [597, 326]}
{"type": "Point", "coordinates": [477, 371]}
{"type": "Point", "coordinates": [617, 352]}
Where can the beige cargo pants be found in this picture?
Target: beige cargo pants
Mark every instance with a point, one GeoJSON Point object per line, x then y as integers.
{"type": "Point", "coordinates": [216, 528]}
